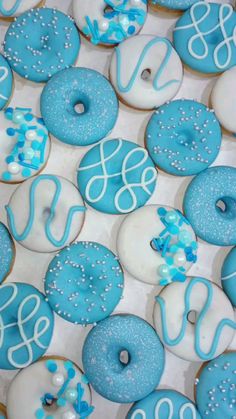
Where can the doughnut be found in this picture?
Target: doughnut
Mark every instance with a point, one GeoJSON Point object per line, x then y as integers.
{"type": "Point", "coordinates": [7, 253]}
{"type": "Point", "coordinates": [84, 283]}
{"type": "Point", "coordinates": [51, 217]}
{"type": "Point", "coordinates": [52, 388]}
{"type": "Point", "coordinates": [26, 325]}
{"type": "Point", "coordinates": [204, 37]}
{"type": "Point", "coordinates": [116, 176]}
{"type": "Point", "coordinates": [41, 42]}
{"type": "Point", "coordinates": [164, 404]}
{"type": "Point", "coordinates": [222, 99]}
{"type": "Point", "coordinates": [25, 145]}
{"type": "Point", "coordinates": [97, 106]}
{"type": "Point", "coordinates": [109, 22]}
{"type": "Point", "coordinates": [9, 9]}
{"type": "Point", "coordinates": [174, 5]}
{"type": "Point", "coordinates": [194, 319]}
{"type": "Point", "coordinates": [146, 71]}
{"type": "Point", "coordinates": [2, 411]}
{"type": "Point", "coordinates": [6, 82]}
{"type": "Point", "coordinates": [123, 358]}
{"type": "Point", "coordinates": [183, 137]}
{"type": "Point", "coordinates": [215, 388]}
{"type": "Point", "coordinates": [157, 245]}
{"type": "Point", "coordinates": [228, 276]}
{"type": "Point", "coordinates": [210, 205]}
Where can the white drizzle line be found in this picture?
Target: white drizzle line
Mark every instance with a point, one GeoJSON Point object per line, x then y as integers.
{"type": "Point", "coordinates": [169, 402]}
{"type": "Point", "coordinates": [228, 276]}
{"type": "Point", "coordinates": [2, 78]}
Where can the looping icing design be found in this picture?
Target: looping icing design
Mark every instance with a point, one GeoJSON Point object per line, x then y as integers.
{"type": "Point", "coordinates": [171, 413]}
{"type": "Point", "coordinates": [12, 10]}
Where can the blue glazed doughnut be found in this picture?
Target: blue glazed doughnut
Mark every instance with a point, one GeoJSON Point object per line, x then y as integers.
{"type": "Point", "coordinates": [183, 137]}
{"type": "Point", "coordinates": [116, 176]}
{"type": "Point", "coordinates": [131, 379]}
{"type": "Point", "coordinates": [210, 205]}
{"type": "Point", "coordinates": [6, 82]}
{"type": "Point", "coordinates": [7, 252]}
{"type": "Point", "coordinates": [41, 42]}
{"type": "Point", "coordinates": [85, 87]}
{"type": "Point", "coordinates": [173, 4]}
{"type": "Point", "coordinates": [164, 404]}
{"type": "Point", "coordinates": [84, 283]}
{"type": "Point", "coordinates": [204, 37]}
{"type": "Point", "coordinates": [228, 276]}
{"type": "Point", "coordinates": [26, 323]}
{"type": "Point", "coordinates": [215, 388]}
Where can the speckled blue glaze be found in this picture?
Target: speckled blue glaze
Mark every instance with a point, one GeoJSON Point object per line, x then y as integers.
{"type": "Point", "coordinates": [228, 276]}
{"type": "Point", "coordinates": [112, 378]}
{"type": "Point", "coordinates": [7, 252]}
{"type": "Point", "coordinates": [79, 86]}
{"type": "Point", "coordinates": [174, 4]}
{"type": "Point", "coordinates": [116, 176]}
{"type": "Point", "coordinates": [183, 137]}
{"type": "Point", "coordinates": [215, 388]}
{"type": "Point", "coordinates": [41, 42]}
{"type": "Point", "coordinates": [210, 222]}
{"type": "Point", "coordinates": [6, 82]}
{"type": "Point", "coordinates": [204, 37]}
{"type": "Point", "coordinates": [84, 282]}
{"type": "Point", "coordinates": [26, 325]}
{"type": "Point", "coordinates": [164, 404]}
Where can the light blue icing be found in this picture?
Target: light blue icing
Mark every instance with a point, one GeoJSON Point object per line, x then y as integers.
{"type": "Point", "coordinates": [204, 194]}
{"type": "Point", "coordinates": [124, 20]}
{"type": "Point", "coordinates": [22, 121]}
{"type": "Point", "coordinates": [6, 82]}
{"type": "Point", "coordinates": [40, 43]}
{"type": "Point", "coordinates": [204, 37]}
{"type": "Point", "coordinates": [200, 319]}
{"type": "Point", "coordinates": [228, 276]}
{"type": "Point", "coordinates": [2, 417]}
{"type": "Point", "coordinates": [7, 252]}
{"type": "Point", "coordinates": [156, 79]}
{"type": "Point", "coordinates": [164, 404]}
{"type": "Point", "coordinates": [73, 210]}
{"type": "Point", "coordinates": [79, 86]}
{"type": "Point", "coordinates": [26, 325]}
{"type": "Point", "coordinates": [183, 137]}
{"type": "Point", "coordinates": [174, 4]}
{"type": "Point", "coordinates": [84, 282]}
{"type": "Point", "coordinates": [116, 176]}
{"type": "Point", "coordinates": [116, 380]}
{"type": "Point", "coordinates": [216, 386]}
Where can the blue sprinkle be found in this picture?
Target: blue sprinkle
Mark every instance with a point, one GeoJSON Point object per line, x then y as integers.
{"type": "Point", "coordinates": [71, 373]}
{"type": "Point", "coordinates": [21, 156]}
{"type": "Point", "coordinates": [20, 144]}
{"type": "Point", "coordinates": [161, 212]}
{"type": "Point", "coordinates": [6, 176]}
{"type": "Point", "coordinates": [9, 159]}
{"type": "Point", "coordinates": [35, 145]}
{"type": "Point", "coordinates": [29, 117]}
{"type": "Point", "coordinates": [40, 132]}
{"type": "Point", "coordinates": [24, 127]}
{"type": "Point", "coordinates": [169, 260]}
{"type": "Point", "coordinates": [179, 277]}
{"type": "Point", "coordinates": [51, 366]}
{"type": "Point", "coordinates": [188, 249]}
{"type": "Point", "coordinates": [61, 402]}
{"type": "Point", "coordinates": [39, 414]}
{"type": "Point", "coordinates": [131, 30]}
{"type": "Point", "coordinates": [10, 132]}
{"type": "Point", "coordinates": [84, 379]}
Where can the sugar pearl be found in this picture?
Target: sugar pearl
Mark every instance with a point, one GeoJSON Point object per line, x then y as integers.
{"type": "Point", "coordinates": [58, 380]}
{"type": "Point", "coordinates": [13, 168]}
{"type": "Point", "coordinates": [103, 25]}
{"type": "Point", "coordinates": [68, 415]}
{"type": "Point", "coordinates": [30, 135]}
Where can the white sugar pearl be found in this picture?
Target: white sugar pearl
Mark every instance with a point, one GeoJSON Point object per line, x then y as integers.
{"type": "Point", "coordinates": [123, 20]}
{"type": "Point", "coordinates": [18, 117]}
{"type": "Point", "coordinates": [69, 415]}
{"type": "Point", "coordinates": [28, 153]}
{"type": "Point", "coordinates": [179, 259]}
{"type": "Point", "coordinates": [30, 134]}
{"type": "Point", "coordinates": [103, 25]}
{"type": "Point", "coordinates": [13, 168]}
{"type": "Point", "coordinates": [58, 380]}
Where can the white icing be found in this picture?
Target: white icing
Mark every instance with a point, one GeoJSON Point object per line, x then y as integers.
{"type": "Point", "coordinates": [186, 407]}
{"type": "Point", "coordinates": [223, 99]}
{"type": "Point", "coordinates": [31, 384]}
{"type": "Point", "coordinates": [17, 6]}
{"type": "Point", "coordinates": [160, 58]}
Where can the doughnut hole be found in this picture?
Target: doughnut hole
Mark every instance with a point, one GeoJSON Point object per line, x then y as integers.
{"type": "Point", "coordinates": [146, 74]}
{"type": "Point", "coordinates": [78, 104]}
{"type": "Point", "coordinates": [226, 207]}
{"type": "Point", "coordinates": [185, 138]}
{"type": "Point", "coordinates": [192, 316]}
{"type": "Point", "coordinates": [107, 10]}
{"type": "Point", "coordinates": [214, 38]}
{"type": "Point", "coordinates": [46, 214]}
{"type": "Point", "coordinates": [124, 357]}
{"type": "Point", "coordinates": [79, 108]}
{"type": "Point", "coordinates": [50, 406]}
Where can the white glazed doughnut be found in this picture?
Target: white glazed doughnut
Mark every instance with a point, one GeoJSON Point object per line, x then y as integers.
{"type": "Point", "coordinates": [45, 213]}
{"type": "Point", "coordinates": [194, 319]}
{"type": "Point", "coordinates": [52, 388]}
{"type": "Point", "coordinates": [146, 71]}
{"type": "Point", "coordinates": [223, 99]}
{"type": "Point", "coordinates": [157, 244]}
{"type": "Point", "coordinates": [13, 8]}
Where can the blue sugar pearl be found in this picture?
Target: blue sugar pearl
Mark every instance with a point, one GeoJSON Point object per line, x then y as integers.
{"type": "Point", "coordinates": [171, 217]}
{"type": "Point", "coordinates": [71, 373]}
{"type": "Point", "coordinates": [131, 30]}
{"type": "Point", "coordinates": [29, 117]}
{"type": "Point", "coordinates": [61, 402]}
{"type": "Point", "coordinates": [10, 132]}
{"type": "Point", "coordinates": [131, 17]}
{"type": "Point", "coordinates": [173, 229]}
{"type": "Point", "coordinates": [51, 366]}
{"type": "Point", "coordinates": [24, 127]}
{"type": "Point", "coordinates": [71, 395]}
{"type": "Point", "coordinates": [9, 159]}
{"type": "Point", "coordinates": [163, 270]}
{"type": "Point", "coordinates": [39, 414]}
{"type": "Point", "coordinates": [21, 156]}
{"type": "Point", "coordinates": [26, 172]}
{"type": "Point", "coordinates": [188, 249]}
{"type": "Point", "coordinates": [161, 212]}
{"type": "Point", "coordinates": [6, 176]}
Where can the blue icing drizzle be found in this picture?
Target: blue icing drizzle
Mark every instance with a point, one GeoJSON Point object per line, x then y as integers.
{"type": "Point", "coordinates": [206, 191]}
{"type": "Point", "coordinates": [204, 37]}
{"type": "Point", "coordinates": [6, 82]}
{"type": "Point", "coordinates": [183, 137]}
{"type": "Point", "coordinates": [174, 4]}
{"type": "Point", "coordinates": [12, 10]}
{"type": "Point", "coordinates": [7, 252]}
{"type": "Point", "coordinates": [228, 276]}
{"type": "Point", "coordinates": [158, 74]}
{"type": "Point", "coordinates": [164, 404]}
{"type": "Point", "coordinates": [73, 210]}
{"type": "Point", "coordinates": [26, 325]}
{"type": "Point", "coordinates": [40, 43]}
{"type": "Point", "coordinates": [200, 319]}
{"type": "Point", "coordinates": [216, 386]}
{"type": "Point", "coordinates": [84, 282]}
{"type": "Point", "coordinates": [116, 176]}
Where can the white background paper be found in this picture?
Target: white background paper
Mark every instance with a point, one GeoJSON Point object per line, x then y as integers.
{"type": "Point", "coordinates": [138, 297]}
